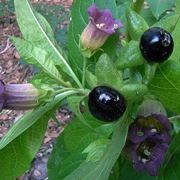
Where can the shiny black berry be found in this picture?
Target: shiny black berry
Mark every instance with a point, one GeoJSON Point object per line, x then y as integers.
{"type": "Point", "coordinates": [156, 45]}
{"type": "Point", "coordinates": [106, 104]}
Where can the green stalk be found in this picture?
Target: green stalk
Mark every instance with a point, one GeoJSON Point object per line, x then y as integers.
{"type": "Point", "coordinates": [174, 118]}
{"type": "Point", "coordinates": [84, 72]}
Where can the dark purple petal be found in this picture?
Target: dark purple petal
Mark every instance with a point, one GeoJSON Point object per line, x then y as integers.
{"type": "Point", "coordinates": [163, 137]}
{"type": "Point", "coordinates": [94, 12]}
{"type": "Point", "coordinates": [159, 152]}
{"type": "Point", "coordinates": [152, 168]}
{"type": "Point", "coordinates": [136, 133]}
{"type": "Point", "coordinates": [139, 166]}
{"type": "Point", "coordinates": [118, 23]}
{"type": "Point", "coordinates": [163, 120]}
{"type": "Point", "coordinates": [103, 20]}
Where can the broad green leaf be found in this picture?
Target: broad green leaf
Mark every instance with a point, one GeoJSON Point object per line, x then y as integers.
{"type": "Point", "coordinates": [101, 170]}
{"type": "Point", "coordinates": [35, 30]}
{"type": "Point", "coordinates": [36, 55]}
{"type": "Point", "coordinates": [134, 91]}
{"type": "Point", "coordinates": [127, 172]}
{"type": "Point", "coordinates": [158, 7]}
{"type": "Point", "coordinates": [67, 152]}
{"type": "Point", "coordinates": [63, 161]}
{"type": "Point", "coordinates": [122, 11]}
{"type": "Point", "coordinates": [175, 34]}
{"type": "Point", "coordinates": [107, 73]}
{"type": "Point", "coordinates": [30, 118]}
{"type": "Point", "coordinates": [78, 135]}
{"type": "Point", "coordinates": [166, 85]}
{"type": "Point", "coordinates": [177, 6]}
{"type": "Point", "coordinates": [136, 24]}
{"type": "Point", "coordinates": [168, 23]}
{"type": "Point", "coordinates": [75, 138]}
{"type": "Point", "coordinates": [16, 157]}
{"type": "Point", "coordinates": [174, 148]}
{"type": "Point", "coordinates": [148, 16]}
{"type": "Point", "coordinates": [96, 150]}
{"type": "Point", "coordinates": [129, 56]}
{"type": "Point", "coordinates": [172, 169]}
{"type": "Point", "coordinates": [74, 103]}
{"type": "Point", "coordinates": [42, 81]}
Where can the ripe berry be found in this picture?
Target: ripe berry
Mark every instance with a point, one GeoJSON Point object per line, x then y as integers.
{"type": "Point", "coordinates": [106, 104]}
{"type": "Point", "coordinates": [156, 45]}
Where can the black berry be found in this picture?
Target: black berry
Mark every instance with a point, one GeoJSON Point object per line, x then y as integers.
{"type": "Point", "coordinates": [156, 45]}
{"type": "Point", "coordinates": [106, 104]}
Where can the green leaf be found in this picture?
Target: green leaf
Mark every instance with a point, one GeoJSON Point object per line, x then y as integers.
{"type": "Point", "coordinates": [36, 30]}
{"type": "Point", "coordinates": [127, 172]}
{"type": "Point", "coordinates": [176, 53]}
{"type": "Point", "coordinates": [36, 55]}
{"type": "Point", "coordinates": [78, 135]}
{"type": "Point", "coordinates": [30, 118]}
{"type": "Point", "coordinates": [177, 6]}
{"type": "Point", "coordinates": [158, 7]}
{"type": "Point", "coordinates": [166, 85]}
{"type": "Point", "coordinates": [172, 170]}
{"type": "Point", "coordinates": [129, 56]}
{"type": "Point", "coordinates": [169, 23]}
{"type": "Point", "coordinates": [67, 153]}
{"type": "Point", "coordinates": [101, 170]}
{"type": "Point", "coordinates": [148, 16]}
{"type": "Point", "coordinates": [42, 81]}
{"type": "Point", "coordinates": [91, 79]}
{"type": "Point", "coordinates": [122, 11]}
{"type": "Point", "coordinates": [74, 103]}
{"type": "Point", "coordinates": [96, 150]}
{"type": "Point", "coordinates": [106, 72]}
{"type": "Point", "coordinates": [62, 161]}
{"type": "Point", "coordinates": [136, 24]}
{"type": "Point", "coordinates": [170, 156]}
{"type": "Point", "coordinates": [16, 157]}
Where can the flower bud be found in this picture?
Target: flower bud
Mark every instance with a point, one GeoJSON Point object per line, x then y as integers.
{"type": "Point", "coordinates": [101, 25]}
{"type": "Point", "coordinates": [18, 96]}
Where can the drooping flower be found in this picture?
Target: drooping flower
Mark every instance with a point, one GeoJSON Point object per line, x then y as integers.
{"type": "Point", "coordinates": [101, 25]}
{"type": "Point", "coordinates": [18, 96]}
{"type": "Point", "coordinates": [149, 138]}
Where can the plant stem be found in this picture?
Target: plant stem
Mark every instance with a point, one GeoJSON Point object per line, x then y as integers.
{"type": "Point", "coordinates": [84, 72]}
{"type": "Point", "coordinates": [174, 118]}
{"type": "Point", "coordinates": [137, 5]}
{"type": "Point", "coordinates": [81, 91]}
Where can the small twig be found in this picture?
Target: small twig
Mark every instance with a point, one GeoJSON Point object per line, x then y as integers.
{"type": "Point", "coordinates": [8, 45]}
{"type": "Point", "coordinates": [174, 118]}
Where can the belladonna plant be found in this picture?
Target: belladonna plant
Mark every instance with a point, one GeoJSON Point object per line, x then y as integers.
{"type": "Point", "coordinates": [149, 137]}
{"type": "Point", "coordinates": [101, 25]}
{"type": "Point", "coordinates": [18, 96]}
